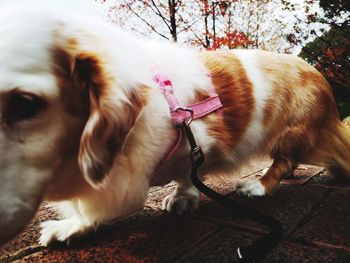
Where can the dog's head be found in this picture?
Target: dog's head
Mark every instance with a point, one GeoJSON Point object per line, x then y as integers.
{"type": "Point", "coordinates": [63, 113]}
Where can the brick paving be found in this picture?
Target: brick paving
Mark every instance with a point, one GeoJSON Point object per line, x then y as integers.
{"type": "Point", "coordinates": [313, 207]}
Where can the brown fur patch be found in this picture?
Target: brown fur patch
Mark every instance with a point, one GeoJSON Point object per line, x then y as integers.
{"type": "Point", "coordinates": [86, 88]}
{"type": "Point", "coordinates": [236, 93]}
{"type": "Point", "coordinates": [74, 96]}
{"type": "Point", "coordinates": [300, 98]}
{"type": "Point", "coordinates": [106, 130]}
{"type": "Point", "coordinates": [297, 90]}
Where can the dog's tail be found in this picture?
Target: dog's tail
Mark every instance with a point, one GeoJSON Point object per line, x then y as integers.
{"type": "Point", "coordinates": [338, 148]}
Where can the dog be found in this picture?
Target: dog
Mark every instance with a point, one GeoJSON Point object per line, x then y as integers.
{"type": "Point", "coordinates": [84, 124]}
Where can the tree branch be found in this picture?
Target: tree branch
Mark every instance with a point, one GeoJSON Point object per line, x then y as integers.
{"type": "Point", "coordinates": [145, 21]}
{"type": "Point", "coordinates": [188, 25]}
{"type": "Point", "coordinates": [198, 38]}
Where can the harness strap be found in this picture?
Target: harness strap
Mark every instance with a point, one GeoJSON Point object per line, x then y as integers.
{"type": "Point", "coordinates": [199, 110]}
{"type": "Point", "coordinates": [190, 112]}
{"type": "Point", "coordinates": [166, 87]}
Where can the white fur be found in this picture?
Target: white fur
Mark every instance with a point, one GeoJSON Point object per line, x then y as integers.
{"type": "Point", "coordinates": [182, 200]}
{"type": "Point", "coordinates": [35, 162]}
{"type": "Point", "coordinates": [251, 188]}
{"type": "Point", "coordinates": [254, 136]}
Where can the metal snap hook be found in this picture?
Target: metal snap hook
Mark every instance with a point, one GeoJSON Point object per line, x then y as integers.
{"type": "Point", "coordinates": [190, 119]}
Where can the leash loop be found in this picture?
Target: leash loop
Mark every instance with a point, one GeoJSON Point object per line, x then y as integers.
{"type": "Point", "coordinates": [261, 247]}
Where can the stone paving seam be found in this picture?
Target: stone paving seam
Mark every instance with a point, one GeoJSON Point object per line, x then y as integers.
{"type": "Point", "coordinates": [341, 184]}
{"type": "Point", "coordinates": [305, 219]}
{"type": "Point", "coordinates": [251, 230]}
{"type": "Point", "coordinates": [317, 244]}
{"type": "Point", "coordinates": [238, 227]}
{"type": "Point", "coordinates": [196, 246]}
{"type": "Point", "coordinates": [331, 246]}
{"type": "Point", "coordinates": [305, 179]}
{"type": "Point", "coordinates": [21, 254]}
{"type": "Point", "coordinates": [340, 189]}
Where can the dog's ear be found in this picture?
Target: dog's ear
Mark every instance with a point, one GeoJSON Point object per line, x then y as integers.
{"type": "Point", "coordinates": [112, 115]}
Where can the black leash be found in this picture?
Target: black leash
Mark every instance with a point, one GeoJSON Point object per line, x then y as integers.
{"type": "Point", "coordinates": [257, 250]}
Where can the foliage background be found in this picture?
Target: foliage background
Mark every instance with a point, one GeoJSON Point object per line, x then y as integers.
{"type": "Point", "coordinates": [316, 30]}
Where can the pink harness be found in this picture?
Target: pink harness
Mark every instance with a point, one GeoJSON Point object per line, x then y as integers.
{"type": "Point", "coordinates": [180, 114]}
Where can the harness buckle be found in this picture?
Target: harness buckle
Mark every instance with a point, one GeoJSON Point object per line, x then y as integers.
{"type": "Point", "coordinates": [190, 119]}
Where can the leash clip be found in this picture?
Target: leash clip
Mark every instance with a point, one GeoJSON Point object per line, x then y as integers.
{"type": "Point", "coordinates": [196, 153]}
{"type": "Point", "coordinates": [197, 156]}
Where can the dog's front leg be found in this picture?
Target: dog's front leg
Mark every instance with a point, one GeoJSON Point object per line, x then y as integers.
{"type": "Point", "coordinates": [72, 226]}
{"type": "Point", "coordinates": [63, 230]}
{"type": "Point", "coordinates": [184, 199]}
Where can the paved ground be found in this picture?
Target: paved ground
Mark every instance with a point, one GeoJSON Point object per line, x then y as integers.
{"type": "Point", "coordinates": [313, 207]}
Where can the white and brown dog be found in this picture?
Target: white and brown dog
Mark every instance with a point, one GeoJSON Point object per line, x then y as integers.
{"type": "Point", "coordinates": [84, 124]}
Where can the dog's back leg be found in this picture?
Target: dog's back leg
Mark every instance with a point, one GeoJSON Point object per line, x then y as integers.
{"type": "Point", "coordinates": [292, 148]}
{"type": "Point", "coordinates": [328, 146]}
{"type": "Point", "coordinates": [279, 169]}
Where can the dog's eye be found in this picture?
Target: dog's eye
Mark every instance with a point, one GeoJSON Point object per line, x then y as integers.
{"type": "Point", "coordinates": [23, 106]}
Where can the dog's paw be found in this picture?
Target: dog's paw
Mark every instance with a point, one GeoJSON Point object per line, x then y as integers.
{"type": "Point", "coordinates": [61, 230]}
{"type": "Point", "coordinates": [181, 202]}
{"type": "Point", "coordinates": [251, 188]}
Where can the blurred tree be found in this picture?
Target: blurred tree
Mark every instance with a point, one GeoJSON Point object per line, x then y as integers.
{"type": "Point", "coordinates": [209, 24]}
{"type": "Point", "coordinates": [204, 23]}
{"type": "Point", "coordinates": [335, 8]}
{"type": "Point", "coordinates": [329, 51]}
{"type": "Point", "coordinates": [240, 24]}
{"type": "Point", "coordinates": [330, 54]}
{"type": "Point", "coordinates": [157, 15]}
{"type": "Point", "coordinates": [264, 23]}
{"type": "Point", "coordinates": [214, 29]}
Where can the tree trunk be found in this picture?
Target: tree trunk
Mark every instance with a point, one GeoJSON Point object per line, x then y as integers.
{"type": "Point", "coordinates": [172, 12]}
